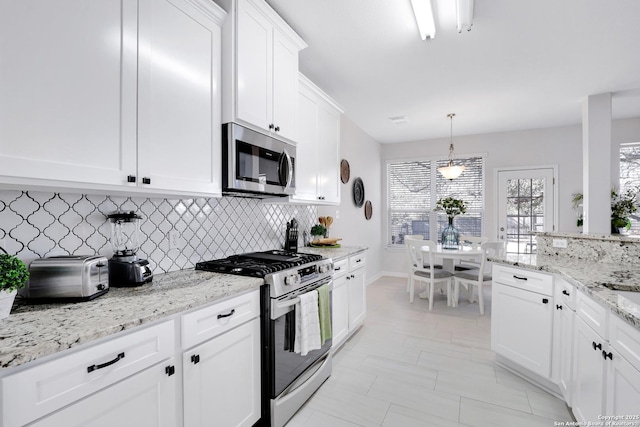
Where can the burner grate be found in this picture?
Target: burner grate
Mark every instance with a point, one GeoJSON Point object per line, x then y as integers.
{"type": "Point", "coordinates": [258, 264]}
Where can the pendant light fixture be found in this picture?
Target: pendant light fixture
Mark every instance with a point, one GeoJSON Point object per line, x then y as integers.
{"type": "Point", "coordinates": [451, 171]}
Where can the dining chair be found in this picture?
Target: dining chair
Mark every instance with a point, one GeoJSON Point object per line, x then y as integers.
{"type": "Point", "coordinates": [410, 263]}
{"type": "Point", "coordinates": [477, 277]}
{"type": "Point", "coordinates": [424, 270]}
{"type": "Point", "coordinates": [473, 242]}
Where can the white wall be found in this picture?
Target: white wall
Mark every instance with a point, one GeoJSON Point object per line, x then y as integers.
{"type": "Point", "coordinates": [560, 146]}
{"type": "Point", "coordinates": [363, 154]}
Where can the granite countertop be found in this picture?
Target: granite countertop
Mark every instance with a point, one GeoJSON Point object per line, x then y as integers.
{"type": "Point", "coordinates": [333, 253]}
{"type": "Point", "coordinates": [600, 280]}
{"type": "Point", "coordinates": [34, 331]}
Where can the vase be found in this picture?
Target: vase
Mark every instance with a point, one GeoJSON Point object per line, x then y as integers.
{"type": "Point", "coordinates": [6, 302]}
{"type": "Point", "coordinates": [450, 236]}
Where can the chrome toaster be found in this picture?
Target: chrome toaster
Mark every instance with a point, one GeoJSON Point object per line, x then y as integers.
{"type": "Point", "coordinates": [67, 278]}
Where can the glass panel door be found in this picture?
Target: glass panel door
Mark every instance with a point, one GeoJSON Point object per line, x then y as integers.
{"type": "Point", "coordinates": [525, 206]}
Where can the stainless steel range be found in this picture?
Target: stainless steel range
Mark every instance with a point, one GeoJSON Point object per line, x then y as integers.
{"type": "Point", "coordinates": [288, 378]}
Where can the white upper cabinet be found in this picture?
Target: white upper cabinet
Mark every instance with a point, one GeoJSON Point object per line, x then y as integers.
{"type": "Point", "coordinates": [260, 68]}
{"type": "Point", "coordinates": [318, 150]}
{"type": "Point", "coordinates": [111, 95]}
{"type": "Point", "coordinates": [179, 95]}
{"type": "Point", "coordinates": [67, 90]}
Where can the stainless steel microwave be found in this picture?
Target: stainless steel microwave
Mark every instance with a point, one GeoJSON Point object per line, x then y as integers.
{"type": "Point", "coordinates": [255, 164]}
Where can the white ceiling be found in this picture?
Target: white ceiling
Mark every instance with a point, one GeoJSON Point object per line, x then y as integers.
{"type": "Point", "coordinates": [524, 65]}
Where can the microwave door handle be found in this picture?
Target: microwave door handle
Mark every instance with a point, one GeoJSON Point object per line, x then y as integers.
{"type": "Point", "coordinates": [289, 165]}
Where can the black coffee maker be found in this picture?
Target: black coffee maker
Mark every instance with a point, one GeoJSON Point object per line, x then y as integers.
{"type": "Point", "coordinates": [125, 268]}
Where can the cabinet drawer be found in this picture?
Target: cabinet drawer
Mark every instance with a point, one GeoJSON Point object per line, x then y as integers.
{"type": "Point", "coordinates": [340, 268]}
{"type": "Point", "coordinates": [592, 313]}
{"type": "Point", "coordinates": [524, 279]}
{"type": "Point", "coordinates": [357, 261]}
{"type": "Point", "coordinates": [208, 322]}
{"type": "Point", "coordinates": [566, 292]}
{"type": "Point", "coordinates": [46, 387]}
{"type": "Point", "coordinates": [625, 339]}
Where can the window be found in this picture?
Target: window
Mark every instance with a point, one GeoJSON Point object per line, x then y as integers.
{"type": "Point", "coordinates": [630, 176]}
{"type": "Point", "coordinates": [415, 186]}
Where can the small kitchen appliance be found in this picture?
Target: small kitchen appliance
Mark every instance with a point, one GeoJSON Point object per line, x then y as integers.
{"type": "Point", "coordinates": [125, 268]}
{"type": "Point", "coordinates": [67, 278]}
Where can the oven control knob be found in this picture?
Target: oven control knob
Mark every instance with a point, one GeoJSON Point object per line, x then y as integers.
{"type": "Point", "coordinates": [324, 268]}
{"type": "Point", "coordinates": [291, 279]}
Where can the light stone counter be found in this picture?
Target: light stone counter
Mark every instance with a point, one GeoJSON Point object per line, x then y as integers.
{"type": "Point", "coordinates": [333, 253]}
{"type": "Point", "coordinates": [34, 331]}
{"type": "Point", "coordinates": [597, 279]}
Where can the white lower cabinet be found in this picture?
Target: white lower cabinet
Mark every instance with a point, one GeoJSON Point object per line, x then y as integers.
{"type": "Point", "coordinates": [623, 370]}
{"type": "Point", "coordinates": [222, 379]}
{"type": "Point", "coordinates": [133, 378]}
{"type": "Point", "coordinates": [522, 320]}
{"type": "Point", "coordinates": [340, 303]}
{"type": "Point", "coordinates": [588, 373]}
{"type": "Point", "coordinates": [146, 399]}
{"type": "Point", "coordinates": [357, 291]}
{"type": "Point", "coordinates": [563, 330]}
{"type": "Point", "coordinates": [348, 302]}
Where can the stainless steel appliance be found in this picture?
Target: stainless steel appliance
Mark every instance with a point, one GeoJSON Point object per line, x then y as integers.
{"type": "Point", "coordinates": [256, 165]}
{"type": "Point", "coordinates": [67, 278]}
{"type": "Point", "coordinates": [288, 379]}
{"type": "Point", "coordinates": [125, 268]}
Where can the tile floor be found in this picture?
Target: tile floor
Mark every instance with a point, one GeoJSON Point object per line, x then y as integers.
{"type": "Point", "coordinates": [410, 367]}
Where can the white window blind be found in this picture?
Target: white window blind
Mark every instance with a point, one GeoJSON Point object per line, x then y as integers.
{"type": "Point", "coordinates": [415, 186]}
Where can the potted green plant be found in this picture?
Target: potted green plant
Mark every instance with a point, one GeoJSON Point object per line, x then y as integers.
{"type": "Point", "coordinates": [13, 276]}
{"type": "Point", "coordinates": [622, 206]}
{"type": "Point", "coordinates": [452, 208]}
{"type": "Point", "coordinates": [318, 231]}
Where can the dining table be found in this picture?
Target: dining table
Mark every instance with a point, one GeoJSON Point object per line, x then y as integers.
{"type": "Point", "coordinates": [450, 256]}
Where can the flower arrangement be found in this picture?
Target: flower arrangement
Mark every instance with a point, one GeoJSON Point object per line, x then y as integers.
{"type": "Point", "coordinates": [452, 207]}
{"type": "Point", "coordinates": [622, 206]}
{"type": "Point", "coordinates": [13, 272]}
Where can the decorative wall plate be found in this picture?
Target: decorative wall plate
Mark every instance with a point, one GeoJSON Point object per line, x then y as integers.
{"type": "Point", "coordinates": [358, 192]}
{"type": "Point", "coordinates": [368, 210]}
{"type": "Point", "coordinates": [345, 171]}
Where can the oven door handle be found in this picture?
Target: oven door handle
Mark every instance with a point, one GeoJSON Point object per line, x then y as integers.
{"type": "Point", "coordinates": [288, 303]}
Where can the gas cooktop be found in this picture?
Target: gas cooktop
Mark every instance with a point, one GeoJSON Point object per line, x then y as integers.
{"type": "Point", "coordinates": [258, 264]}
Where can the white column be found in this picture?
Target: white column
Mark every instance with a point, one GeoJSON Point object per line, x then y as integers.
{"type": "Point", "coordinates": [596, 163]}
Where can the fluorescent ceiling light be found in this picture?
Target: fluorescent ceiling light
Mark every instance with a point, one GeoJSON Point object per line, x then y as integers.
{"type": "Point", "coordinates": [424, 17]}
{"type": "Point", "coordinates": [464, 15]}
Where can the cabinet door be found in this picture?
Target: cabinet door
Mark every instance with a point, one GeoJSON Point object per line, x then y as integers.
{"type": "Point", "coordinates": [68, 90]}
{"type": "Point", "coordinates": [623, 388]}
{"type": "Point", "coordinates": [147, 399]}
{"type": "Point", "coordinates": [222, 379]}
{"type": "Point", "coordinates": [179, 139]}
{"type": "Point", "coordinates": [328, 153]}
{"type": "Point", "coordinates": [521, 327]}
{"type": "Point", "coordinates": [285, 85]}
{"type": "Point", "coordinates": [254, 50]}
{"type": "Point", "coordinates": [307, 138]}
{"type": "Point", "coordinates": [588, 373]}
{"type": "Point", "coordinates": [565, 359]}
{"type": "Point", "coordinates": [340, 311]}
{"type": "Point", "coordinates": [357, 298]}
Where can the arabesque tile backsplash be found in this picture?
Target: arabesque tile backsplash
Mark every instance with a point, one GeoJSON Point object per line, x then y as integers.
{"type": "Point", "coordinates": [37, 224]}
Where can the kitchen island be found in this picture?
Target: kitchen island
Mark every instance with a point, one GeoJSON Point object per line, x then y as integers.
{"type": "Point", "coordinates": [600, 280]}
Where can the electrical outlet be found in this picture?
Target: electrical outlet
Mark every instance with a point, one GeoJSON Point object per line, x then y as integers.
{"type": "Point", "coordinates": [560, 243]}
{"type": "Point", "coordinates": [337, 214]}
{"type": "Point", "coordinates": [174, 239]}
